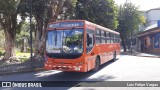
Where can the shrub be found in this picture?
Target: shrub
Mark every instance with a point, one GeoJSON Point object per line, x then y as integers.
{"type": "Point", "coordinates": [28, 49]}
{"type": "Point", "coordinates": [1, 53]}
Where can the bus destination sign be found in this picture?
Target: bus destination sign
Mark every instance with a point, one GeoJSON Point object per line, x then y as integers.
{"type": "Point", "coordinates": [66, 25]}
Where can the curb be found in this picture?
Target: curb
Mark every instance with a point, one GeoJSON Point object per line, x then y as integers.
{"type": "Point", "coordinates": [142, 55]}
{"type": "Point", "coordinates": [147, 56]}
{"type": "Point", "coordinates": [24, 71]}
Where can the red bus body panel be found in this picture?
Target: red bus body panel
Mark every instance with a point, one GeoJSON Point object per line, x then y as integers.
{"type": "Point", "coordinates": [87, 60]}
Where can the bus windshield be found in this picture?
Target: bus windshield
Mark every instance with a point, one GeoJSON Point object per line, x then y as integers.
{"type": "Point", "coordinates": [64, 41]}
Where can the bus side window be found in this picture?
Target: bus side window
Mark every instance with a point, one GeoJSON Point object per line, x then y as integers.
{"type": "Point", "coordinates": [117, 39]}
{"type": "Point", "coordinates": [108, 37]}
{"type": "Point", "coordinates": [112, 38]}
{"type": "Point", "coordinates": [98, 36]}
{"type": "Point", "coordinates": [103, 36]}
{"type": "Point", "coordinates": [90, 40]}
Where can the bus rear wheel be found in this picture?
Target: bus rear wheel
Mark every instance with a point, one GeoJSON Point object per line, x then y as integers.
{"type": "Point", "coordinates": [97, 65]}
{"type": "Point", "coordinates": [114, 57]}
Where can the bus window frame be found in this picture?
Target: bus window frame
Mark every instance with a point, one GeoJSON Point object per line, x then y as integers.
{"type": "Point", "coordinates": [93, 41]}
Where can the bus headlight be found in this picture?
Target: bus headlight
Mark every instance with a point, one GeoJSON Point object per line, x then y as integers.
{"type": "Point", "coordinates": [77, 68]}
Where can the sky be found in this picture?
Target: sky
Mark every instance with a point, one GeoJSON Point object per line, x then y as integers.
{"type": "Point", "coordinates": [143, 4]}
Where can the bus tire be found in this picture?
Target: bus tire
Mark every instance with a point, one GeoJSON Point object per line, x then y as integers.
{"type": "Point", "coordinates": [114, 57]}
{"type": "Point", "coordinates": [97, 65]}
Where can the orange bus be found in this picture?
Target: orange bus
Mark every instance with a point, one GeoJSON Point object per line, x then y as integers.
{"type": "Point", "coordinates": [79, 45]}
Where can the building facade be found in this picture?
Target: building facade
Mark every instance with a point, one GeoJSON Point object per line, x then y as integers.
{"type": "Point", "coordinates": [148, 38]}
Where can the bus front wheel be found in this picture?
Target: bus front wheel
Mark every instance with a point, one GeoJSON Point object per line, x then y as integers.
{"type": "Point", "coordinates": [97, 65]}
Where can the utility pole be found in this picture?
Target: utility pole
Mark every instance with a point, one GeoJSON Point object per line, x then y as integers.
{"type": "Point", "coordinates": [131, 40]}
{"type": "Point", "coordinates": [31, 29]}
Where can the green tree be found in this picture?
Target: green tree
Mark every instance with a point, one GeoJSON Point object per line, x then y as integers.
{"type": "Point", "coordinates": [22, 38]}
{"type": "Point", "coordinates": [8, 21]}
{"type": "Point", "coordinates": [102, 12]}
{"type": "Point", "coordinates": [45, 11]}
{"type": "Point", "coordinates": [1, 39]}
{"type": "Point", "coordinates": [129, 18]}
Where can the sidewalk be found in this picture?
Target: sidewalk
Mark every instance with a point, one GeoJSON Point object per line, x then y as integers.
{"type": "Point", "coordinates": [140, 54]}
{"type": "Point", "coordinates": [14, 67]}
{"type": "Point", "coordinates": [24, 71]}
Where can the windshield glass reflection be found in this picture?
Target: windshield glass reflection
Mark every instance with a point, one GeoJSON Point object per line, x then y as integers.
{"type": "Point", "coordinates": [65, 41]}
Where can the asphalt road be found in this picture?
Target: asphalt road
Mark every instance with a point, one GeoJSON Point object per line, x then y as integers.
{"type": "Point", "coordinates": [127, 68]}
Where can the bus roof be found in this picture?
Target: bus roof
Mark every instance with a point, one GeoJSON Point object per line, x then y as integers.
{"type": "Point", "coordinates": [101, 27]}
{"type": "Point", "coordinates": [88, 23]}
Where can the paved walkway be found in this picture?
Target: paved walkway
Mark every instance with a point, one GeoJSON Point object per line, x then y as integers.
{"type": "Point", "coordinates": [135, 53]}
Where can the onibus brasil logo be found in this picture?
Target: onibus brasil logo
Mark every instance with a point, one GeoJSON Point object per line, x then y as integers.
{"type": "Point", "coordinates": [20, 84]}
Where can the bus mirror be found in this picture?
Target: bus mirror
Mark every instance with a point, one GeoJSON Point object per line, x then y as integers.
{"type": "Point", "coordinates": [89, 41]}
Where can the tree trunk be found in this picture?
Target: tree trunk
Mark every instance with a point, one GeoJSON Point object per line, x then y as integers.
{"type": "Point", "coordinates": [24, 45]}
{"type": "Point", "coordinates": [39, 40]}
{"type": "Point", "coordinates": [40, 34]}
{"type": "Point", "coordinates": [10, 34]}
{"type": "Point", "coordinates": [123, 43]}
{"type": "Point", "coordinates": [9, 45]}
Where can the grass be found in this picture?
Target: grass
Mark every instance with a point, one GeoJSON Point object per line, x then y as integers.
{"type": "Point", "coordinates": [22, 56]}
{"type": "Point", "coordinates": [25, 55]}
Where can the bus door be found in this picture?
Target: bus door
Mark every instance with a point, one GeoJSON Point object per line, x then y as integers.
{"type": "Point", "coordinates": [89, 46]}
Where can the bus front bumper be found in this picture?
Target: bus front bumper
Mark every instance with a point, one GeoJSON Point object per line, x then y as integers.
{"type": "Point", "coordinates": [50, 66]}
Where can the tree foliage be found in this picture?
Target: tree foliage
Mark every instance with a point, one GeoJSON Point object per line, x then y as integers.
{"type": "Point", "coordinates": [102, 12]}
{"type": "Point", "coordinates": [129, 18]}
{"type": "Point", "coordinates": [45, 11]}
{"type": "Point", "coordinates": [23, 36]}
{"type": "Point", "coordinates": [8, 21]}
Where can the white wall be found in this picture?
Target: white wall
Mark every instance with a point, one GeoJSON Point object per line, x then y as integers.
{"type": "Point", "coordinates": [153, 16]}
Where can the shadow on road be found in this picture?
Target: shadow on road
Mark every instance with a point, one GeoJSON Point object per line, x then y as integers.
{"type": "Point", "coordinates": [60, 80]}
{"type": "Point", "coordinates": [74, 79]}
